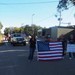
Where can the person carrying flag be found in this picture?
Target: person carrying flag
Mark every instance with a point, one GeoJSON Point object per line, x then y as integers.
{"type": "Point", "coordinates": [32, 47]}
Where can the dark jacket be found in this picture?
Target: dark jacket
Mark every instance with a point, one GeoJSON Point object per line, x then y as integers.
{"type": "Point", "coordinates": [71, 41]}
{"type": "Point", "coordinates": [32, 43]}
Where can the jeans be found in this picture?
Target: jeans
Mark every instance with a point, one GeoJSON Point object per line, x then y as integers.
{"type": "Point", "coordinates": [31, 53]}
{"type": "Point", "coordinates": [70, 54]}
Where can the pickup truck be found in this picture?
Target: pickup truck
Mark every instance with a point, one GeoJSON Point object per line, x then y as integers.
{"type": "Point", "coordinates": [17, 39]}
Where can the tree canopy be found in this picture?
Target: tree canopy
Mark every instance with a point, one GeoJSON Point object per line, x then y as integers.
{"type": "Point", "coordinates": [63, 4]}
{"type": "Point", "coordinates": [28, 30]}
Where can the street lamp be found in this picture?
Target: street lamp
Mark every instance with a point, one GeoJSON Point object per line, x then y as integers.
{"type": "Point", "coordinates": [32, 23]}
{"type": "Point", "coordinates": [32, 17]}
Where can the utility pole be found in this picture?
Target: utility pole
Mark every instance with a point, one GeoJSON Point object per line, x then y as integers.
{"type": "Point", "coordinates": [59, 19]}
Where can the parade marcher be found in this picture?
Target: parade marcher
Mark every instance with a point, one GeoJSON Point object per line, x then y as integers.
{"type": "Point", "coordinates": [32, 47]}
{"type": "Point", "coordinates": [74, 44]}
{"type": "Point", "coordinates": [64, 44]}
{"type": "Point", "coordinates": [71, 41]}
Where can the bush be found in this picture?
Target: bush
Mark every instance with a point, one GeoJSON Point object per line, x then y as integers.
{"type": "Point", "coordinates": [1, 39]}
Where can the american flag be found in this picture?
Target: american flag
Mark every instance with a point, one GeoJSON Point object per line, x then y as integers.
{"type": "Point", "coordinates": [49, 50]}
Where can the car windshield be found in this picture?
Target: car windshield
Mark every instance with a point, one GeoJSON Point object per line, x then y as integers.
{"type": "Point", "coordinates": [20, 39]}
{"type": "Point", "coordinates": [17, 35]}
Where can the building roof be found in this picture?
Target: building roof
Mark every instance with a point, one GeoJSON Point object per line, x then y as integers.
{"type": "Point", "coordinates": [69, 27]}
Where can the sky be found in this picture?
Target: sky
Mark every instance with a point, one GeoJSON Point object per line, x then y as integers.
{"type": "Point", "coordinates": [39, 12]}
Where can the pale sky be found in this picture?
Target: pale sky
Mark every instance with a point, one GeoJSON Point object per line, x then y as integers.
{"type": "Point", "coordinates": [19, 14]}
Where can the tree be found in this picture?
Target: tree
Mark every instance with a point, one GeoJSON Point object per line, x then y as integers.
{"type": "Point", "coordinates": [6, 31]}
{"type": "Point", "coordinates": [63, 4]}
{"type": "Point", "coordinates": [1, 26]}
{"type": "Point", "coordinates": [30, 29]}
{"type": "Point", "coordinates": [10, 30]}
{"type": "Point", "coordinates": [17, 30]}
{"type": "Point", "coordinates": [36, 28]}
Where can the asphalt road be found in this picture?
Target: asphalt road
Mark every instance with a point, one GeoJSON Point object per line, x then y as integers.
{"type": "Point", "coordinates": [13, 61]}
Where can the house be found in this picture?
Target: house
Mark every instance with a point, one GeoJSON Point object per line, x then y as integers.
{"type": "Point", "coordinates": [56, 31]}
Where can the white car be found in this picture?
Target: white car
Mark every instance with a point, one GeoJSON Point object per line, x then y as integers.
{"type": "Point", "coordinates": [17, 39]}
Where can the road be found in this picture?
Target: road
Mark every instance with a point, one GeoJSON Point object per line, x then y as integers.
{"type": "Point", "coordinates": [13, 61]}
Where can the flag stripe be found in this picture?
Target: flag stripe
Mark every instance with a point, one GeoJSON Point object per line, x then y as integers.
{"type": "Point", "coordinates": [49, 51]}
{"type": "Point", "coordinates": [55, 43]}
{"type": "Point", "coordinates": [56, 46]}
{"type": "Point", "coordinates": [50, 58]}
{"type": "Point", "coordinates": [51, 55]}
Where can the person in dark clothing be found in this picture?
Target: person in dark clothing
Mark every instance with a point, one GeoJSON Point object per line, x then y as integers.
{"type": "Point", "coordinates": [71, 41]}
{"type": "Point", "coordinates": [32, 47]}
{"type": "Point", "coordinates": [64, 44]}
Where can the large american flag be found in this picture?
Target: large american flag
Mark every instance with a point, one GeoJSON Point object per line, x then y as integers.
{"type": "Point", "coordinates": [49, 50]}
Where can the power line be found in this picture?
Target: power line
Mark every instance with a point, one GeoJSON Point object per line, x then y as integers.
{"type": "Point", "coordinates": [28, 3]}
